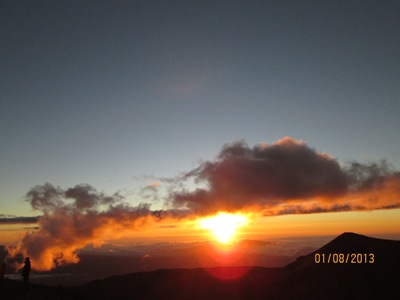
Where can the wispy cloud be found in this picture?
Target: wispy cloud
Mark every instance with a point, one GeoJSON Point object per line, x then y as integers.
{"type": "Point", "coordinates": [18, 220]}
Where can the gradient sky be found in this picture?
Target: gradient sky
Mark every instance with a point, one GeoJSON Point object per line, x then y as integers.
{"type": "Point", "coordinates": [114, 93]}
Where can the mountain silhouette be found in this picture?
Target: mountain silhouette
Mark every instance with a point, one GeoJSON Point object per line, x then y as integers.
{"type": "Point", "coordinates": [372, 270]}
{"type": "Point", "coordinates": [309, 277]}
{"type": "Point", "coordinates": [385, 252]}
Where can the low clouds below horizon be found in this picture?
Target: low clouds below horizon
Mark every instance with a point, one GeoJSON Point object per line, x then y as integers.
{"type": "Point", "coordinates": [286, 177]}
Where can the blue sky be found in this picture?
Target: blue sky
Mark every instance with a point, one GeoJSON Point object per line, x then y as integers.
{"type": "Point", "coordinates": [106, 92]}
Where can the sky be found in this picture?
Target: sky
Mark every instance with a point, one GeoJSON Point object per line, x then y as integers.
{"type": "Point", "coordinates": [132, 97]}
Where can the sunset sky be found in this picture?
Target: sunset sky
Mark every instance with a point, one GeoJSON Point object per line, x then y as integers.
{"type": "Point", "coordinates": [155, 99]}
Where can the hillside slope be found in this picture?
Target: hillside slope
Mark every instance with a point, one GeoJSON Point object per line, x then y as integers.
{"type": "Point", "coordinates": [309, 277]}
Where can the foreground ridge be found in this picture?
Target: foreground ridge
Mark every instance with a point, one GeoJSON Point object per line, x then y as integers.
{"type": "Point", "coordinates": [306, 278]}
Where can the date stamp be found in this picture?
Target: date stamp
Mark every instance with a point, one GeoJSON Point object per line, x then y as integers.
{"type": "Point", "coordinates": [344, 258]}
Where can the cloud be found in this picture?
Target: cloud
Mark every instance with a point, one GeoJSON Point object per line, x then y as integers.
{"type": "Point", "coordinates": [153, 185]}
{"type": "Point", "coordinates": [286, 177]}
{"type": "Point", "coordinates": [5, 220]}
{"type": "Point", "coordinates": [74, 218]}
{"type": "Point", "coordinates": [150, 191]}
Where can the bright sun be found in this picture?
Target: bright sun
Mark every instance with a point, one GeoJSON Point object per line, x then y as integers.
{"type": "Point", "coordinates": [223, 225]}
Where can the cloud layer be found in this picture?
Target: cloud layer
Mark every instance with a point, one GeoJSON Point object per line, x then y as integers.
{"type": "Point", "coordinates": [286, 177]}
{"type": "Point", "coordinates": [7, 220]}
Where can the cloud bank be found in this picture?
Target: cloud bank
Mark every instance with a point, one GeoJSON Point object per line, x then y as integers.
{"type": "Point", "coordinates": [286, 177]}
{"type": "Point", "coordinates": [75, 218]}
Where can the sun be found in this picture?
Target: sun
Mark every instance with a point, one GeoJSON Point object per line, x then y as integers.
{"type": "Point", "coordinates": [223, 226]}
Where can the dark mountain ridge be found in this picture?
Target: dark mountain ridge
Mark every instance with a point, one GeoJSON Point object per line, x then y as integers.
{"type": "Point", "coordinates": [306, 278]}
{"type": "Point", "coordinates": [380, 251]}
{"type": "Point", "coordinates": [359, 267]}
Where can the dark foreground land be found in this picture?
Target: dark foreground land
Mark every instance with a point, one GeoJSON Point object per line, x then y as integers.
{"type": "Point", "coordinates": [358, 276]}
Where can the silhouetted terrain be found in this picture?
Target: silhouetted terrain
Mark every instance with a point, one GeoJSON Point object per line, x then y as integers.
{"type": "Point", "coordinates": [302, 279]}
{"type": "Point", "coordinates": [377, 280]}
{"type": "Point", "coordinates": [100, 263]}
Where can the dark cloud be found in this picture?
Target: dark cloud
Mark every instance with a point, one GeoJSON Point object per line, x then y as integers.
{"type": "Point", "coordinates": [48, 198]}
{"type": "Point", "coordinates": [287, 177]}
{"type": "Point", "coordinates": [45, 197]}
{"type": "Point", "coordinates": [18, 220]}
{"type": "Point", "coordinates": [86, 197]}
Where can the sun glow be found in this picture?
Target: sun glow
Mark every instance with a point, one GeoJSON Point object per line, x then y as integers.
{"type": "Point", "coordinates": [223, 226]}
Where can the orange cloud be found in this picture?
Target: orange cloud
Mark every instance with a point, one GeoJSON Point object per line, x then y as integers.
{"type": "Point", "coordinates": [73, 219]}
{"type": "Point", "coordinates": [286, 177]}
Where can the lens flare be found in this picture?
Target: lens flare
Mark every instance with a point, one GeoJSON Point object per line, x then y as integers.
{"type": "Point", "coordinates": [223, 226]}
